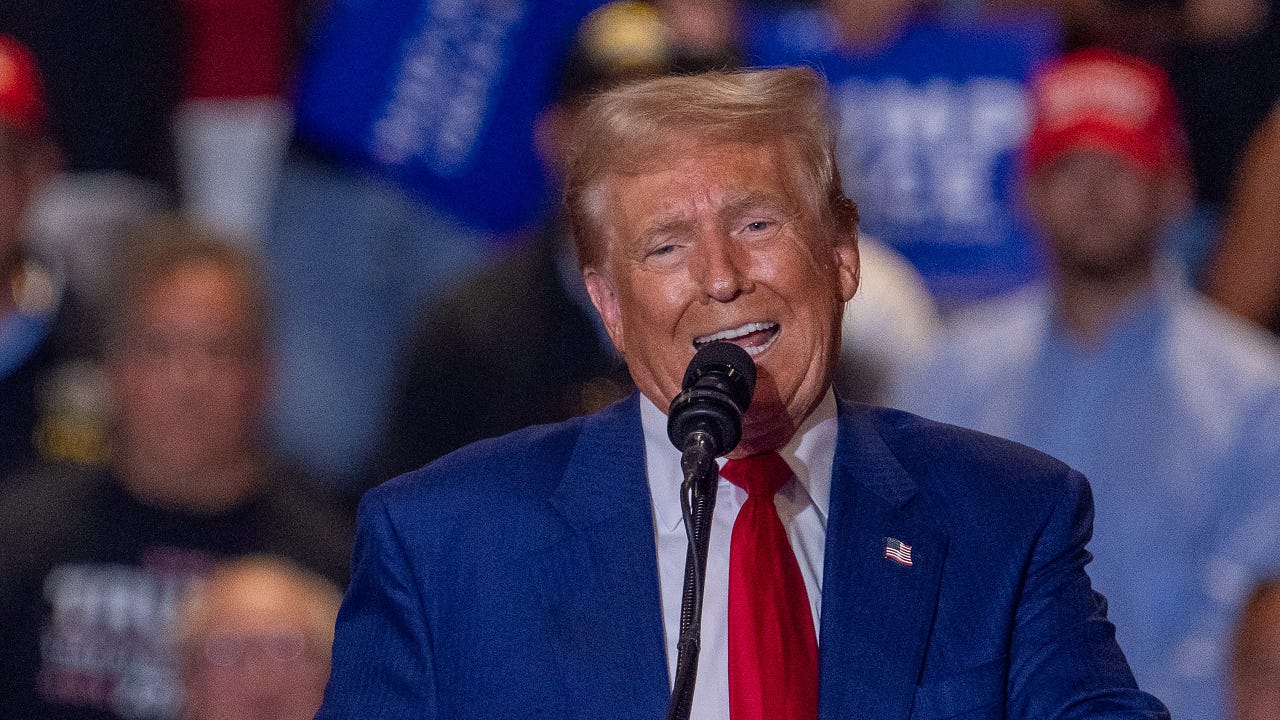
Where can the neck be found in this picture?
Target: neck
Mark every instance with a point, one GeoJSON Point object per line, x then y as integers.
{"type": "Point", "coordinates": [768, 429]}
{"type": "Point", "coordinates": [1089, 306]}
{"type": "Point", "coordinates": [207, 489]}
{"type": "Point", "coordinates": [762, 443]}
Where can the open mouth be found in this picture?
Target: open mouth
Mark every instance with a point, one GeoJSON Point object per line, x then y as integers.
{"type": "Point", "coordinates": [754, 337]}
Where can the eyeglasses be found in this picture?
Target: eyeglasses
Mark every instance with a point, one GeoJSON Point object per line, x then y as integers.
{"type": "Point", "coordinates": [234, 650]}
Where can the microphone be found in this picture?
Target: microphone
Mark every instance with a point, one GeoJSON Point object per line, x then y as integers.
{"type": "Point", "coordinates": [704, 422]}
{"type": "Point", "coordinates": [715, 393]}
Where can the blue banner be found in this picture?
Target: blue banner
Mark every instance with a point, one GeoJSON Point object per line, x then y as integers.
{"type": "Point", "coordinates": [930, 129]}
{"type": "Point", "coordinates": [440, 97]}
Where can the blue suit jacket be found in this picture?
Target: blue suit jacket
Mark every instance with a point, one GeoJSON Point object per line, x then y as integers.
{"type": "Point", "coordinates": [517, 578]}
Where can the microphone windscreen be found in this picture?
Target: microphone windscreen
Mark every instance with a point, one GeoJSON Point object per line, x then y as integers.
{"type": "Point", "coordinates": [729, 359]}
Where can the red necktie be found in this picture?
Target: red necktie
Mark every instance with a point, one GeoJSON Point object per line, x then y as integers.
{"type": "Point", "coordinates": [773, 650]}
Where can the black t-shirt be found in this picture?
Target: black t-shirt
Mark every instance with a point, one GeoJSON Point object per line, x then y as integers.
{"type": "Point", "coordinates": [90, 578]}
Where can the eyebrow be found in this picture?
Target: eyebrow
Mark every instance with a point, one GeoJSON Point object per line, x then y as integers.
{"type": "Point", "coordinates": [665, 225]}
{"type": "Point", "coordinates": [735, 205]}
{"type": "Point", "coordinates": [754, 201]}
{"type": "Point", "coordinates": [745, 202]}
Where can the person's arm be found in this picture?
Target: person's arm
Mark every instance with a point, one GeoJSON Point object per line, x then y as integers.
{"type": "Point", "coordinates": [1064, 660]}
{"type": "Point", "coordinates": [1245, 273]}
{"type": "Point", "coordinates": [382, 664]}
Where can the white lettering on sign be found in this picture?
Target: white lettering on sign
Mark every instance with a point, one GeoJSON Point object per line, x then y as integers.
{"type": "Point", "coordinates": [930, 155]}
{"type": "Point", "coordinates": [440, 99]}
{"type": "Point", "coordinates": [108, 641]}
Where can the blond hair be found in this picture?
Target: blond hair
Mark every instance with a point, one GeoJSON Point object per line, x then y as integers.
{"type": "Point", "coordinates": [628, 129]}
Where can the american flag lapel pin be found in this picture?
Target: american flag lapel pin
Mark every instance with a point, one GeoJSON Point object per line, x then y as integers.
{"type": "Point", "coordinates": [897, 551]}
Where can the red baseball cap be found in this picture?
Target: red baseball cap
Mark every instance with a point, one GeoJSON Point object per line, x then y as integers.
{"type": "Point", "coordinates": [1103, 99]}
{"type": "Point", "coordinates": [21, 99]}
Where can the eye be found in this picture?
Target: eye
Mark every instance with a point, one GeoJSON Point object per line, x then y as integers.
{"type": "Point", "coordinates": [760, 228]}
{"type": "Point", "coordinates": [666, 252]}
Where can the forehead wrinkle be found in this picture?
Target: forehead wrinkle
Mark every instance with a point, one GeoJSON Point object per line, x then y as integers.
{"type": "Point", "coordinates": [739, 203]}
{"type": "Point", "coordinates": [732, 206]}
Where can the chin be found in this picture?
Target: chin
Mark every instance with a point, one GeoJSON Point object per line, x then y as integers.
{"type": "Point", "coordinates": [767, 427]}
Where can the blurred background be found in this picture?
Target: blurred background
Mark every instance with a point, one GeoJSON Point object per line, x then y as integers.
{"type": "Point", "coordinates": [258, 255]}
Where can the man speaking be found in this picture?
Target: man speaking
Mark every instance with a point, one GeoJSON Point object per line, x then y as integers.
{"type": "Point", "coordinates": [863, 563]}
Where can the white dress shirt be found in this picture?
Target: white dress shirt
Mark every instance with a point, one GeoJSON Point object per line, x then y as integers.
{"type": "Point", "coordinates": [802, 505]}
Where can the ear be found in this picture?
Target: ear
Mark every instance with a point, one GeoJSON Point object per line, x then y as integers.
{"type": "Point", "coordinates": [605, 297]}
{"type": "Point", "coordinates": [848, 265]}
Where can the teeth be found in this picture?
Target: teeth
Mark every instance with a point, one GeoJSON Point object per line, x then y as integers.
{"type": "Point", "coordinates": [738, 332]}
{"type": "Point", "coordinates": [733, 333]}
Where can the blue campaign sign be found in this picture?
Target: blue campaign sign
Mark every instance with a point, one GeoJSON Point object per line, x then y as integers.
{"type": "Point", "coordinates": [930, 129]}
{"type": "Point", "coordinates": [440, 97]}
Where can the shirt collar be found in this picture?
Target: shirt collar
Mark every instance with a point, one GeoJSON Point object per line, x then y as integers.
{"type": "Point", "coordinates": [810, 454]}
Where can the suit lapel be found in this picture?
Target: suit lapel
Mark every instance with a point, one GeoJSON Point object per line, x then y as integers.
{"type": "Point", "coordinates": [599, 583]}
{"type": "Point", "coordinates": [876, 613]}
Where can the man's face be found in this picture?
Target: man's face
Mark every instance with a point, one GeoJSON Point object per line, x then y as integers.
{"type": "Point", "coordinates": [189, 379]}
{"type": "Point", "coordinates": [1100, 215]}
{"type": "Point", "coordinates": [258, 659]}
{"type": "Point", "coordinates": [719, 245]}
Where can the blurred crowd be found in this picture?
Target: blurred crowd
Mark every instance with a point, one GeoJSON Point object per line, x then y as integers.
{"type": "Point", "coordinates": [257, 255]}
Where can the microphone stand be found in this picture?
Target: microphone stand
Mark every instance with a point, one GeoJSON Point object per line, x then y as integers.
{"type": "Point", "coordinates": [705, 421]}
{"type": "Point", "coordinates": [697, 503]}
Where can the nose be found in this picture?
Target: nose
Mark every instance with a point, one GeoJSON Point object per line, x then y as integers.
{"type": "Point", "coordinates": [191, 368]}
{"type": "Point", "coordinates": [723, 276]}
